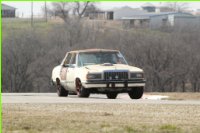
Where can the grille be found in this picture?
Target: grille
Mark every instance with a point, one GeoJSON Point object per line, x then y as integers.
{"type": "Point", "coordinates": [115, 75]}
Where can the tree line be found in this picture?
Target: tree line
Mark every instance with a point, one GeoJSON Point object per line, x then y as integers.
{"type": "Point", "coordinates": [170, 58]}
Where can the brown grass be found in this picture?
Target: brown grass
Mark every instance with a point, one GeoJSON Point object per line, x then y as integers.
{"type": "Point", "coordinates": [101, 118]}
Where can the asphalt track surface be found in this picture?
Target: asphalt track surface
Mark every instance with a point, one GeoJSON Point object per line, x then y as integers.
{"type": "Point", "coordinates": [95, 98]}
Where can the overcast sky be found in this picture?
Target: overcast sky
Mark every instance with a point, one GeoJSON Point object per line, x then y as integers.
{"type": "Point", "coordinates": [24, 8]}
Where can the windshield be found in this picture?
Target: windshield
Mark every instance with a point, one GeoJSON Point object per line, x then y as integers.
{"type": "Point", "coordinates": [85, 59]}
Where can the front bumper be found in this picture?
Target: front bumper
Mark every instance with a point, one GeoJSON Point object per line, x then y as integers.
{"type": "Point", "coordinates": [113, 84]}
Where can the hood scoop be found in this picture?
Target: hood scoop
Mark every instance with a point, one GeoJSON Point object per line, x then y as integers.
{"type": "Point", "coordinates": [107, 64]}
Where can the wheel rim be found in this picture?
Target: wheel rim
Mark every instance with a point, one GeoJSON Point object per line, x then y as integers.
{"type": "Point", "coordinates": [80, 90]}
{"type": "Point", "coordinates": [78, 87]}
{"type": "Point", "coordinates": [58, 89]}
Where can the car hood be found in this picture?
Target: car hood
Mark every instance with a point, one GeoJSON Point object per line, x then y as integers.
{"type": "Point", "coordinates": [101, 68]}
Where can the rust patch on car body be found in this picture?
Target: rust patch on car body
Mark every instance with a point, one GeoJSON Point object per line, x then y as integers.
{"type": "Point", "coordinates": [63, 73]}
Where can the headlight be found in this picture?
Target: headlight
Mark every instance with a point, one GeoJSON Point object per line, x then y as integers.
{"type": "Point", "coordinates": [137, 75]}
{"type": "Point", "coordinates": [93, 76]}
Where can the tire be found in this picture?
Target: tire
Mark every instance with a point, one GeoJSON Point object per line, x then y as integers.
{"type": "Point", "coordinates": [61, 91]}
{"type": "Point", "coordinates": [112, 95]}
{"type": "Point", "coordinates": [81, 91]}
{"type": "Point", "coordinates": [136, 93]}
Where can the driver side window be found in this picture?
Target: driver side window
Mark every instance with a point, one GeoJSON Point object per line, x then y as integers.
{"type": "Point", "coordinates": [68, 58]}
{"type": "Point", "coordinates": [73, 60]}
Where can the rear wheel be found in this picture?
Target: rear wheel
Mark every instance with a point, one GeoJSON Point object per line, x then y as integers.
{"type": "Point", "coordinates": [136, 93]}
{"type": "Point", "coordinates": [60, 90]}
{"type": "Point", "coordinates": [112, 95]}
{"type": "Point", "coordinates": [80, 90]}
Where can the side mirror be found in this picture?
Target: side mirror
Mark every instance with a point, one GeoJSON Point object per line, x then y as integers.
{"type": "Point", "coordinates": [69, 65]}
{"type": "Point", "coordinates": [65, 65]}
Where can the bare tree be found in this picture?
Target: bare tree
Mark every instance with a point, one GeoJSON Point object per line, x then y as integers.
{"type": "Point", "coordinates": [62, 10]}
{"type": "Point", "coordinates": [177, 6]}
{"type": "Point", "coordinates": [18, 58]}
{"type": "Point", "coordinates": [171, 60]}
{"type": "Point", "coordinates": [91, 8]}
{"type": "Point", "coordinates": [80, 8]}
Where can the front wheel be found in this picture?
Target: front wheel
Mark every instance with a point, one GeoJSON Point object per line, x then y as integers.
{"type": "Point", "coordinates": [136, 93]}
{"type": "Point", "coordinates": [80, 90]}
{"type": "Point", "coordinates": [112, 95]}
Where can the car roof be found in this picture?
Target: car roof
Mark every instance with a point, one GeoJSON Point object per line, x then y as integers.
{"type": "Point", "coordinates": [93, 50]}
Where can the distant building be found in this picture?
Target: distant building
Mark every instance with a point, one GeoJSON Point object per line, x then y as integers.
{"type": "Point", "coordinates": [197, 12]}
{"type": "Point", "coordinates": [61, 13]}
{"type": "Point", "coordinates": [8, 11]}
{"type": "Point", "coordinates": [127, 12]}
{"type": "Point", "coordinates": [148, 16]}
{"type": "Point", "coordinates": [157, 20]}
{"type": "Point", "coordinates": [164, 9]}
{"type": "Point", "coordinates": [100, 15]}
{"type": "Point", "coordinates": [115, 14]}
{"type": "Point", "coordinates": [149, 7]}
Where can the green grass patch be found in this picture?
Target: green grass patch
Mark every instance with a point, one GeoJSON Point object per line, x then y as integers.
{"type": "Point", "coordinates": [168, 128]}
{"type": "Point", "coordinates": [105, 125]}
{"type": "Point", "coordinates": [129, 129]}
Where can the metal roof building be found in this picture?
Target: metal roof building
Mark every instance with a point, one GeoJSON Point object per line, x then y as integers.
{"type": "Point", "coordinates": [127, 12]}
{"type": "Point", "coordinates": [7, 11]}
{"type": "Point", "coordinates": [157, 20]}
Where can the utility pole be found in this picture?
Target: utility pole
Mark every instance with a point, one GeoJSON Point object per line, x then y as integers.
{"type": "Point", "coordinates": [32, 14]}
{"type": "Point", "coordinates": [45, 6]}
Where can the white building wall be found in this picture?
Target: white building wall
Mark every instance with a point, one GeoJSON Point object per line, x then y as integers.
{"type": "Point", "coordinates": [173, 20]}
{"type": "Point", "coordinates": [126, 12]}
{"type": "Point", "coordinates": [178, 20]}
{"type": "Point", "coordinates": [186, 21]}
{"type": "Point", "coordinates": [156, 22]}
{"type": "Point", "coordinates": [170, 19]}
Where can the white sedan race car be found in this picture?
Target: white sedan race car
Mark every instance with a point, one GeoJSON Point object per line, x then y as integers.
{"type": "Point", "coordinates": [97, 71]}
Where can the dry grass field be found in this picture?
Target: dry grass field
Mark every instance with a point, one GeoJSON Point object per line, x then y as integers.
{"type": "Point", "coordinates": [101, 118]}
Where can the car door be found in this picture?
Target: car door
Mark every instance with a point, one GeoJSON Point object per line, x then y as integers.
{"type": "Point", "coordinates": [71, 72]}
{"type": "Point", "coordinates": [64, 68]}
